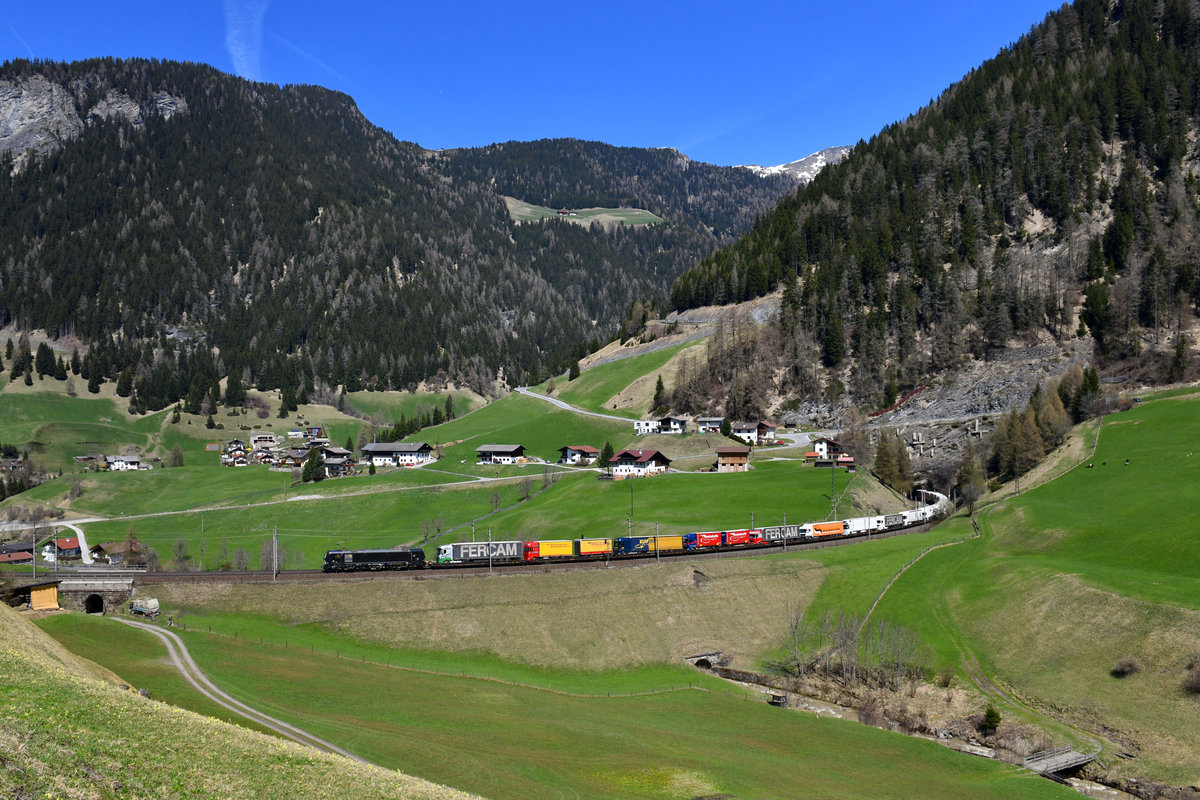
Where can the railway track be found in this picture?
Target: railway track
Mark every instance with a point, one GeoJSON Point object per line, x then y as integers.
{"type": "Point", "coordinates": [143, 578]}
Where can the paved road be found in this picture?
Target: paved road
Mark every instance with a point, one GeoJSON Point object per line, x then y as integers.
{"type": "Point", "coordinates": [182, 660]}
{"type": "Point", "coordinates": [568, 407]}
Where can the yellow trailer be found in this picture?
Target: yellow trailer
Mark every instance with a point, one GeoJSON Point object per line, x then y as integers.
{"type": "Point", "coordinates": [595, 547]}
{"type": "Point", "coordinates": [666, 543]}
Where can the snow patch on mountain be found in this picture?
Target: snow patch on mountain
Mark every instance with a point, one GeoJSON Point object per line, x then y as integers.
{"type": "Point", "coordinates": [806, 168]}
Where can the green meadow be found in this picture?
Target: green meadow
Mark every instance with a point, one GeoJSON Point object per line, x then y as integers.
{"type": "Point", "coordinates": [505, 736]}
{"type": "Point", "coordinates": [595, 387]}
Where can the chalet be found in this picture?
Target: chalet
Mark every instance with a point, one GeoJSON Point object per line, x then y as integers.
{"type": "Point", "coordinates": [295, 433]}
{"type": "Point", "coordinates": [65, 547]}
{"type": "Point", "coordinates": [16, 547]}
{"type": "Point", "coordinates": [235, 445]}
{"type": "Point", "coordinates": [313, 431]}
{"type": "Point", "coordinates": [292, 458]}
{"type": "Point", "coordinates": [826, 448]}
{"type": "Point", "coordinates": [845, 461]}
{"type": "Point", "coordinates": [501, 453]}
{"type": "Point", "coordinates": [338, 466]}
{"type": "Point", "coordinates": [11, 464]}
{"type": "Point", "coordinates": [110, 552]}
{"type": "Point", "coordinates": [123, 463]}
{"type": "Point", "coordinates": [262, 456]}
{"type": "Point", "coordinates": [330, 451]}
{"type": "Point", "coordinates": [644, 427]}
{"type": "Point", "coordinates": [317, 441]}
{"type": "Point", "coordinates": [578, 454]}
{"type": "Point", "coordinates": [766, 432]}
{"type": "Point", "coordinates": [709, 424]}
{"type": "Point", "coordinates": [672, 425]}
{"type": "Point", "coordinates": [746, 431]}
{"type": "Point", "coordinates": [734, 458]}
{"type": "Point", "coordinates": [16, 557]}
{"type": "Point", "coordinates": [639, 463]}
{"type": "Point", "coordinates": [397, 454]}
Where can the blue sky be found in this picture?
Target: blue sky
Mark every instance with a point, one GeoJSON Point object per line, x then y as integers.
{"type": "Point", "coordinates": [723, 82]}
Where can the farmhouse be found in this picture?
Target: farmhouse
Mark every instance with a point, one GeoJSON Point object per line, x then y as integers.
{"type": "Point", "coordinates": [577, 454]}
{"type": "Point", "coordinates": [709, 424]}
{"type": "Point", "coordinates": [124, 463]}
{"type": "Point", "coordinates": [766, 432]}
{"type": "Point", "coordinates": [733, 458]}
{"type": "Point", "coordinates": [398, 454]}
{"type": "Point", "coordinates": [672, 425]}
{"type": "Point", "coordinates": [16, 557]}
{"type": "Point", "coordinates": [746, 431]}
{"type": "Point", "coordinates": [826, 448]}
{"type": "Point", "coordinates": [292, 458]}
{"type": "Point", "coordinates": [501, 453]}
{"type": "Point", "coordinates": [338, 466]}
{"type": "Point", "coordinates": [66, 547]}
{"type": "Point", "coordinates": [11, 464]}
{"type": "Point", "coordinates": [110, 552]}
{"type": "Point", "coordinates": [644, 427]}
{"type": "Point", "coordinates": [639, 464]}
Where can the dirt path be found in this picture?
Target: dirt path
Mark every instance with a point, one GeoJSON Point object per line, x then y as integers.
{"type": "Point", "coordinates": [182, 660]}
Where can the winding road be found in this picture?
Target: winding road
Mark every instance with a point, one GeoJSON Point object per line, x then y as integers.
{"type": "Point", "coordinates": [182, 659]}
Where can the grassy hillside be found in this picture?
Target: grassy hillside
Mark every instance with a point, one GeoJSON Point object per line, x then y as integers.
{"type": "Point", "coordinates": [521, 211]}
{"type": "Point", "coordinates": [493, 727]}
{"type": "Point", "coordinates": [66, 734]}
{"type": "Point", "coordinates": [1094, 566]}
{"type": "Point", "coordinates": [612, 387]}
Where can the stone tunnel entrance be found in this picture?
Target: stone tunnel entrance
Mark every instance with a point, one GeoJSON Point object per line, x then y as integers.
{"type": "Point", "coordinates": [707, 660]}
{"type": "Point", "coordinates": [94, 595]}
{"type": "Point", "coordinates": [93, 604]}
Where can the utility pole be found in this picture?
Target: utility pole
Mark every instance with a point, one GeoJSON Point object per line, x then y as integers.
{"type": "Point", "coordinates": [489, 551]}
{"type": "Point", "coordinates": [785, 531]}
{"type": "Point", "coordinates": [275, 554]}
{"type": "Point", "coordinates": [657, 545]}
{"type": "Point", "coordinates": [833, 489]}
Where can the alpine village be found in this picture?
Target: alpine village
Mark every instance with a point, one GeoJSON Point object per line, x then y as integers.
{"type": "Point", "coordinates": [333, 466]}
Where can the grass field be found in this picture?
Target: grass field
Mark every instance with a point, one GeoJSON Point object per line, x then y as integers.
{"type": "Point", "coordinates": [390, 405]}
{"type": "Point", "coordinates": [521, 211]}
{"type": "Point", "coordinates": [596, 388]}
{"type": "Point", "coordinates": [1096, 565]}
{"type": "Point", "coordinates": [66, 733]}
{"type": "Point", "coordinates": [509, 739]}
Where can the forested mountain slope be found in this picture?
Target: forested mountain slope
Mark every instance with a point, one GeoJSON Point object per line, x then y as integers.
{"type": "Point", "coordinates": [164, 209]}
{"type": "Point", "coordinates": [1054, 184]}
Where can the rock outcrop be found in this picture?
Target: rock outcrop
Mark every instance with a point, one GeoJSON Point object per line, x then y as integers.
{"type": "Point", "coordinates": [38, 115]}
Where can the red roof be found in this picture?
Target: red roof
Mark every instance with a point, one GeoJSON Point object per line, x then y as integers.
{"type": "Point", "coordinates": [16, 558]}
{"type": "Point", "coordinates": [69, 543]}
{"type": "Point", "coordinates": [812, 454]}
{"type": "Point", "coordinates": [733, 451]}
{"type": "Point", "coordinates": [583, 448]}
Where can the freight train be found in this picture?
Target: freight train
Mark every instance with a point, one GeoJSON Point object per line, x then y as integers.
{"type": "Point", "coordinates": [934, 506]}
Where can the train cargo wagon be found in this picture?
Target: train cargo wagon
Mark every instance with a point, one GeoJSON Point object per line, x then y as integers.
{"type": "Point", "coordinates": [696, 541]}
{"type": "Point", "coordinates": [828, 528]}
{"type": "Point", "coordinates": [595, 547]}
{"type": "Point", "coordinates": [562, 548]}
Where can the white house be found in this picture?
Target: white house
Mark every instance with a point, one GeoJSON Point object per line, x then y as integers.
{"type": "Point", "coordinates": [672, 425]}
{"type": "Point", "coordinates": [709, 424]}
{"type": "Point", "coordinates": [123, 463]}
{"type": "Point", "coordinates": [642, 427]}
{"type": "Point", "coordinates": [746, 431]}
{"type": "Point", "coordinates": [826, 448]}
{"type": "Point", "coordinates": [397, 454]}
{"type": "Point", "coordinates": [578, 454]}
{"type": "Point", "coordinates": [639, 463]}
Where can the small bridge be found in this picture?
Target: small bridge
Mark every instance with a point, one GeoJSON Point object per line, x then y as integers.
{"type": "Point", "coordinates": [1050, 762]}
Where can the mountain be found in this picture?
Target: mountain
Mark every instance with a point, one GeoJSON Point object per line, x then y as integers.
{"type": "Point", "coordinates": [1051, 192]}
{"type": "Point", "coordinates": [804, 170]}
{"type": "Point", "coordinates": [186, 225]}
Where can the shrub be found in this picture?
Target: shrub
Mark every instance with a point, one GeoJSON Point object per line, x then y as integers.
{"type": "Point", "coordinates": [991, 719]}
{"type": "Point", "coordinates": [945, 678]}
{"type": "Point", "coordinates": [1125, 667]}
{"type": "Point", "coordinates": [1191, 684]}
